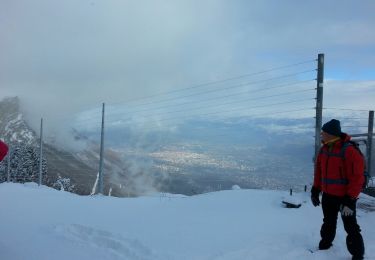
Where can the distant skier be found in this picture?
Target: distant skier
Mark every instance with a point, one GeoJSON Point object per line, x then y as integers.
{"type": "Point", "coordinates": [339, 175]}
{"type": "Point", "coordinates": [3, 150]}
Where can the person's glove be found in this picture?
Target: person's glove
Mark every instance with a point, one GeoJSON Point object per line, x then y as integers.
{"type": "Point", "coordinates": [348, 206]}
{"type": "Point", "coordinates": [315, 196]}
{"type": "Point", "coordinates": [346, 211]}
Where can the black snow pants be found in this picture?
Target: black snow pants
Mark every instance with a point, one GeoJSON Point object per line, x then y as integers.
{"type": "Point", "coordinates": [331, 208]}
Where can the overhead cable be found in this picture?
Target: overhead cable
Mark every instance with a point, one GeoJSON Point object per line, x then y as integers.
{"type": "Point", "coordinates": [219, 97]}
{"type": "Point", "coordinates": [221, 104]}
{"type": "Point", "coordinates": [346, 109]}
{"type": "Point", "coordinates": [221, 81]}
{"type": "Point", "coordinates": [217, 89]}
{"type": "Point", "coordinates": [230, 110]}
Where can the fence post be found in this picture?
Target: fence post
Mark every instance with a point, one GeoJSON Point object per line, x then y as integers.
{"type": "Point", "coordinates": [319, 103]}
{"type": "Point", "coordinates": [8, 161]}
{"type": "Point", "coordinates": [100, 186]}
{"type": "Point", "coordinates": [369, 141]}
{"type": "Point", "coordinates": [41, 152]}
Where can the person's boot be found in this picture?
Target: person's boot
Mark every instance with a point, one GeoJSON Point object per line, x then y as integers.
{"type": "Point", "coordinates": [355, 245]}
{"type": "Point", "coordinates": [323, 245]}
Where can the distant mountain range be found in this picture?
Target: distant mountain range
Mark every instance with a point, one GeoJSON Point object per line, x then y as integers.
{"type": "Point", "coordinates": [204, 155]}
{"type": "Point", "coordinates": [81, 167]}
{"type": "Point", "coordinates": [194, 157]}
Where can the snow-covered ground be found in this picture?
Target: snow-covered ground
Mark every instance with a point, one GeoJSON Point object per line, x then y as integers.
{"type": "Point", "coordinates": [41, 223]}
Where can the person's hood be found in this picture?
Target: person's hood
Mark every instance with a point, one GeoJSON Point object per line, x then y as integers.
{"type": "Point", "coordinates": [345, 137]}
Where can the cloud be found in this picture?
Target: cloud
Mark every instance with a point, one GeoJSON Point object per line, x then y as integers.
{"type": "Point", "coordinates": [62, 57]}
{"type": "Point", "coordinates": [356, 95]}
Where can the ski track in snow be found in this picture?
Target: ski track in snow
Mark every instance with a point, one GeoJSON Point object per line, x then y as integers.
{"type": "Point", "coordinates": [117, 245]}
{"type": "Point", "coordinates": [226, 225]}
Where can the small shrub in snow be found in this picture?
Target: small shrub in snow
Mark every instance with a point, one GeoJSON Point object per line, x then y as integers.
{"type": "Point", "coordinates": [236, 187]}
{"type": "Point", "coordinates": [371, 182]}
{"type": "Point", "coordinates": [63, 184]}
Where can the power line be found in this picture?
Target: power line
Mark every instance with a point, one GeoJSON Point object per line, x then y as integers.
{"type": "Point", "coordinates": [231, 87]}
{"type": "Point", "coordinates": [210, 99]}
{"type": "Point", "coordinates": [251, 115]}
{"type": "Point", "coordinates": [239, 109]}
{"type": "Point", "coordinates": [220, 81]}
{"type": "Point", "coordinates": [236, 109]}
{"type": "Point", "coordinates": [285, 111]}
{"type": "Point", "coordinates": [297, 128]}
{"type": "Point", "coordinates": [219, 89]}
{"type": "Point", "coordinates": [219, 97]}
{"type": "Point", "coordinates": [120, 122]}
{"type": "Point", "coordinates": [221, 104]}
{"type": "Point", "coordinates": [347, 118]}
{"type": "Point", "coordinates": [353, 126]}
{"type": "Point", "coordinates": [346, 109]}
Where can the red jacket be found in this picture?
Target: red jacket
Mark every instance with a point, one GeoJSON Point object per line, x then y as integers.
{"type": "Point", "coordinates": [3, 150]}
{"type": "Point", "coordinates": [337, 175]}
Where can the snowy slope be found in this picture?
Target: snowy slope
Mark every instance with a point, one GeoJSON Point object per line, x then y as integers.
{"type": "Point", "coordinates": [13, 127]}
{"type": "Point", "coordinates": [42, 223]}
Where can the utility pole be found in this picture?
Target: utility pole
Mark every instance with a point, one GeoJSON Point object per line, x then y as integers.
{"type": "Point", "coordinates": [100, 187]}
{"type": "Point", "coordinates": [8, 161]}
{"type": "Point", "coordinates": [319, 103]}
{"type": "Point", "coordinates": [41, 152]}
{"type": "Point", "coordinates": [369, 141]}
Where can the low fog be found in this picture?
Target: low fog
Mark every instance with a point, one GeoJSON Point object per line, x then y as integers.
{"type": "Point", "coordinates": [62, 58]}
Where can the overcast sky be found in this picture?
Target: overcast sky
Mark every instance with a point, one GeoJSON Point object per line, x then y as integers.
{"type": "Point", "coordinates": [62, 57]}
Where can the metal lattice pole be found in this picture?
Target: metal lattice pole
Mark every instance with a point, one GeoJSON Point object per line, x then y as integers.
{"type": "Point", "coordinates": [319, 103]}
{"type": "Point", "coordinates": [100, 187]}
{"type": "Point", "coordinates": [41, 152]}
{"type": "Point", "coordinates": [8, 160]}
{"type": "Point", "coordinates": [369, 141]}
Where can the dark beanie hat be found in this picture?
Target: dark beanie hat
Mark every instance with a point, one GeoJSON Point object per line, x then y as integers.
{"type": "Point", "coordinates": [332, 127]}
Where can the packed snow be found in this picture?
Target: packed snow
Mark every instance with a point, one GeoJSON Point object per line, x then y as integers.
{"type": "Point", "coordinates": [42, 223]}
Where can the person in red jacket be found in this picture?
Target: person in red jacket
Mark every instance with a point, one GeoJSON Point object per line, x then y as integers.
{"type": "Point", "coordinates": [339, 175]}
{"type": "Point", "coordinates": [3, 150]}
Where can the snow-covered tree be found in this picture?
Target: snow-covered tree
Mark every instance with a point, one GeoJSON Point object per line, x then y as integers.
{"type": "Point", "coordinates": [63, 184]}
{"type": "Point", "coordinates": [24, 165]}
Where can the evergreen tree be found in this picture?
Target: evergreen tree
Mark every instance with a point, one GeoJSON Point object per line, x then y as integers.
{"type": "Point", "coordinates": [24, 165]}
{"type": "Point", "coordinates": [63, 184]}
